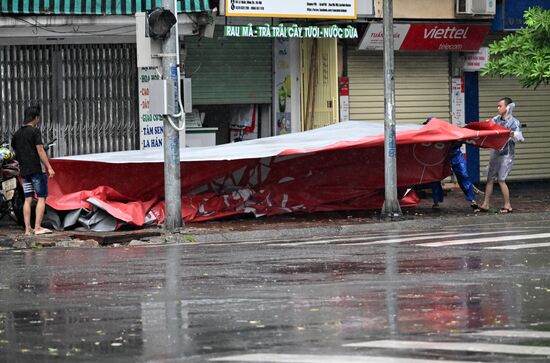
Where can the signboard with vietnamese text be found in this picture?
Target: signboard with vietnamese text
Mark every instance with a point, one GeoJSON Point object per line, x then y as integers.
{"type": "Point", "coordinates": [341, 9]}
{"type": "Point", "coordinates": [150, 126]}
{"type": "Point", "coordinates": [434, 37]}
{"type": "Point", "coordinates": [291, 31]}
{"type": "Point", "coordinates": [473, 62]}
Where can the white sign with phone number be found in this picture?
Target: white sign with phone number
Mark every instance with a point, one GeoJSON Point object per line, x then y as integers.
{"type": "Point", "coordinates": [339, 9]}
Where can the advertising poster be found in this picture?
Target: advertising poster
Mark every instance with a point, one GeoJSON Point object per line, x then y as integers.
{"type": "Point", "coordinates": [439, 37]}
{"type": "Point", "coordinates": [343, 86]}
{"type": "Point", "coordinates": [150, 126]}
{"type": "Point", "coordinates": [282, 82]}
{"type": "Point", "coordinates": [457, 102]}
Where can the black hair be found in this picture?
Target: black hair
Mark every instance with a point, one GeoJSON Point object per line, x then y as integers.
{"type": "Point", "coordinates": [507, 100]}
{"type": "Point", "coordinates": [31, 113]}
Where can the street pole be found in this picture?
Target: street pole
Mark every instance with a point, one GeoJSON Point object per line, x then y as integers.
{"type": "Point", "coordinates": [172, 174]}
{"type": "Point", "coordinates": [391, 208]}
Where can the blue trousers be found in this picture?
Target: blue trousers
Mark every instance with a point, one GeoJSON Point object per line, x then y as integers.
{"type": "Point", "coordinates": [458, 164]}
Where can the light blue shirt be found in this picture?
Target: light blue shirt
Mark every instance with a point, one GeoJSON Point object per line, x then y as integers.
{"type": "Point", "coordinates": [511, 124]}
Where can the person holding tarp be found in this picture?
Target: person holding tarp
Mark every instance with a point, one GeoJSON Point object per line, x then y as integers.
{"type": "Point", "coordinates": [458, 165]}
{"type": "Point", "coordinates": [501, 161]}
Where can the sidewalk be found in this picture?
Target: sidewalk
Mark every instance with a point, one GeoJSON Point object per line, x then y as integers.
{"type": "Point", "coordinates": [530, 200]}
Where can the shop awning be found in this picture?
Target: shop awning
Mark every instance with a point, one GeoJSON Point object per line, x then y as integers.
{"type": "Point", "coordinates": [93, 7]}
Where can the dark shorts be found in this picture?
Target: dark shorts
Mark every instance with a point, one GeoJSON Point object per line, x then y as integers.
{"type": "Point", "coordinates": [35, 183]}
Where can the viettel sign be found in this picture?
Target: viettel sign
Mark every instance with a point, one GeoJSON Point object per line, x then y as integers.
{"type": "Point", "coordinates": [442, 37]}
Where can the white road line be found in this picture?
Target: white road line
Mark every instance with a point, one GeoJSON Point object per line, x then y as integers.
{"type": "Point", "coordinates": [463, 347]}
{"type": "Point", "coordinates": [520, 246]}
{"type": "Point", "coordinates": [273, 241]}
{"type": "Point", "coordinates": [399, 240]}
{"type": "Point", "coordinates": [371, 236]}
{"type": "Point", "coordinates": [310, 358]}
{"type": "Point", "coordinates": [531, 334]}
{"type": "Point", "coordinates": [486, 240]}
{"type": "Point", "coordinates": [357, 238]}
{"type": "Point", "coordinates": [325, 240]}
{"type": "Point", "coordinates": [406, 239]}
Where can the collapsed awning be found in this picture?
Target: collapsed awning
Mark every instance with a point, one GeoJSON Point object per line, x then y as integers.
{"type": "Point", "coordinates": [94, 7]}
{"type": "Point", "coordinates": [338, 167]}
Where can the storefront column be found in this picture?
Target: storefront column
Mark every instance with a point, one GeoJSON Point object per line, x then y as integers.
{"type": "Point", "coordinates": [471, 90]}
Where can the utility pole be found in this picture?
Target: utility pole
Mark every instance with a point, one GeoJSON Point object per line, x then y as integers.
{"type": "Point", "coordinates": [171, 144]}
{"type": "Point", "coordinates": [391, 208]}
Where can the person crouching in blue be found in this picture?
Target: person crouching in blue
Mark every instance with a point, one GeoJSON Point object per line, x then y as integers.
{"type": "Point", "coordinates": [458, 165]}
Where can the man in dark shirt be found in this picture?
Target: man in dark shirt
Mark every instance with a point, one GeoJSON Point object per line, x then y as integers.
{"type": "Point", "coordinates": [29, 152]}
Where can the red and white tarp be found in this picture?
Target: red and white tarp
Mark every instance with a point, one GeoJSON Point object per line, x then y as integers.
{"type": "Point", "coordinates": [339, 167]}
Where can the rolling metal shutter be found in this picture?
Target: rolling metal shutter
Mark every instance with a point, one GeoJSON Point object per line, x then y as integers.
{"type": "Point", "coordinates": [421, 86]}
{"type": "Point", "coordinates": [533, 111]}
{"type": "Point", "coordinates": [229, 70]}
{"type": "Point", "coordinates": [88, 94]}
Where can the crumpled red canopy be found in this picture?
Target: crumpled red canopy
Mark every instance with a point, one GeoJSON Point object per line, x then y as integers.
{"type": "Point", "coordinates": [340, 167]}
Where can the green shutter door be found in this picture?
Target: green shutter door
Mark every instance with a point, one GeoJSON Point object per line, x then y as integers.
{"type": "Point", "coordinates": [229, 70]}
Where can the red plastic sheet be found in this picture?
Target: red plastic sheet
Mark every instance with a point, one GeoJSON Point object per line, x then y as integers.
{"type": "Point", "coordinates": [343, 175]}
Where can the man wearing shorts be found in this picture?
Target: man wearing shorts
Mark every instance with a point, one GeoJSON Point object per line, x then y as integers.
{"type": "Point", "coordinates": [501, 161]}
{"type": "Point", "coordinates": [29, 152]}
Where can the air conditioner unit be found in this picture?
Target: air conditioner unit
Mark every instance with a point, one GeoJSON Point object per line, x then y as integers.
{"type": "Point", "coordinates": [475, 7]}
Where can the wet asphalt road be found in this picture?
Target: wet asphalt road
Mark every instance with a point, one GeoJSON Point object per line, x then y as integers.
{"type": "Point", "coordinates": [399, 295]}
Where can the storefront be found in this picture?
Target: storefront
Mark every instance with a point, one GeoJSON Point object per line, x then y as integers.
{"type": "Point", "coordinates": [424, 61]}
{"type": "Point", "coordinates": [78, 60]}
{"type": "Point", "coordinates": [532, 107]}
{"type": "Point", "coordinates": [231, 83]}
{"type": "Point", "coordinates": [533, 111]}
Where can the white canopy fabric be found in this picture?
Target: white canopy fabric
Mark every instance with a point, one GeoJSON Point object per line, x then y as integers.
{"type": "Point", "coordinates": [252, 149]}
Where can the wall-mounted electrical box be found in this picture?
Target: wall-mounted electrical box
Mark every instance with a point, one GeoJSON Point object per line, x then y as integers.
{"type": "Point", "coordinates": [162, 97]}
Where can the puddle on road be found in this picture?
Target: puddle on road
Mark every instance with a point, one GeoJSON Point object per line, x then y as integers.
{"type": "Point", "coordinates": [409, 266]}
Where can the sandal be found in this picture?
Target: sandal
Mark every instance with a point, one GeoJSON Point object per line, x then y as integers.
{"type": "Point", "coordinates": [42, 231]}
{"type": "Point", "coordinates": [480, 209]}
{"type": "Point", "coordinates": [505, 210]}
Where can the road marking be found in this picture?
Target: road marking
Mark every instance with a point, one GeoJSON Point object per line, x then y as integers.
{"type": "Point", "coordinates": [407, 239]}
{"type": "Point", "coordinates": [464, 347]}
{"type": "Point", "coordinates": [310, 358]}
{"type": "Point", "coordinates": [324, 239]}
{"type": "Point", "coordinates": [513, 334]}
{"type": "Point", "coordinates": [361, 238]}
{"type": "Point", "coordinates": [486, 240]}
{"type": "Point", "coordinates": [520, 246]}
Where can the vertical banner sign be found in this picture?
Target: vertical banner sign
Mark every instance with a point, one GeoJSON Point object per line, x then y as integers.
{"type": "Point", "coordinates": [343, 86]}
{"type": "Point", "coordinates": [457, 102]}
{"type": "Point", "coordinates": [282, 96]}
{"type": "Point", "coordinates": [150, 126]}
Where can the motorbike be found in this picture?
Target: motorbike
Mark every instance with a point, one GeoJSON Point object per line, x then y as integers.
{"type": "Point", "coordinates": [11, 187]}
{"type": "Point", "coordinates": [11, 191]}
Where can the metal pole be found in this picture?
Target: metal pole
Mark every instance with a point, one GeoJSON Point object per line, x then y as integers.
{"type": "Point", "coordinates": [172, 177]}
{"type": "Point", "coordinates": [391, 208]}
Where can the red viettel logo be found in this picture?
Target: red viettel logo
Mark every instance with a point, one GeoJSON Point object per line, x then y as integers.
{"type": "Point", "coordinates": [448, 32]}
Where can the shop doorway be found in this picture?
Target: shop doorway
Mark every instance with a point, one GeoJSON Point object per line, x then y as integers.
{"type": "Point", "coordinates": [319, 64]}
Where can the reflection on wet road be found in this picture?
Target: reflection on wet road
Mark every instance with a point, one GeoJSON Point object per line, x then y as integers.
{"type": "Point", "coordinates": [476, 293]}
